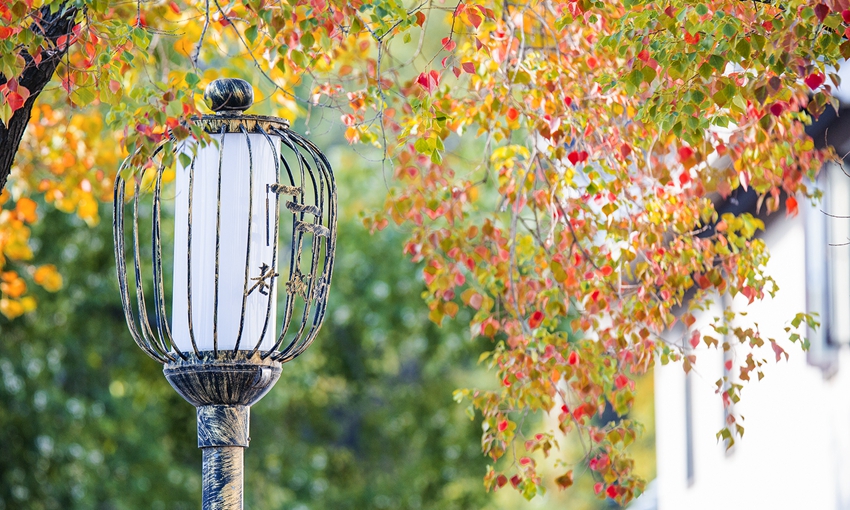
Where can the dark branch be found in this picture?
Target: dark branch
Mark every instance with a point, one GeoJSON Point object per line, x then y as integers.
{"type": "Point", "coordinates": [52, 26]}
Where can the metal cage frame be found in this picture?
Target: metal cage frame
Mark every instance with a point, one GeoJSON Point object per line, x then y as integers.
{"type": "Point", "coordinates": [313, 288]}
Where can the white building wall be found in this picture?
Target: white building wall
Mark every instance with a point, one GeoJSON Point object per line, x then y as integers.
{"type": "Point", "coordinates": [795, 453]}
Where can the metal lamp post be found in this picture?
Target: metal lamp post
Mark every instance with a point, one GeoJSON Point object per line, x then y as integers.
{"type": "Point", "coordinates": [256, 205]}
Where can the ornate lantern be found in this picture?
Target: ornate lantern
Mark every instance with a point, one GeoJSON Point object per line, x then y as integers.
{"type": "Point", "coordinates": [255, 206]}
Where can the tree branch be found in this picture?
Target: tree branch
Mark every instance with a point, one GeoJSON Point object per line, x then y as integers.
{"type": "Point", "coordinates": [52, 26]}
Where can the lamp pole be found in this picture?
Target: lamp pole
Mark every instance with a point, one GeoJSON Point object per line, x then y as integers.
{"type": "Point", "coordinates": [256, 204]}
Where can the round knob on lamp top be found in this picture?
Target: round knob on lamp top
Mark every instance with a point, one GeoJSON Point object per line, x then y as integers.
{"type": "Point", "coordinates": [229, 95]}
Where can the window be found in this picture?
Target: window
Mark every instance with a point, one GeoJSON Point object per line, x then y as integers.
{"type": "Point", "coordinates": [827, 228]}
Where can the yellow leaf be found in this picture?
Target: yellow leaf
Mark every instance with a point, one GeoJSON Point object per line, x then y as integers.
{"type": "Point", "coordinates": [451, 309]}
{"type": "Point", "coordinates": [87, 209]}
{"type": "Point", "coordinates": [11, 308]}
{"type": "Point", "coordinates": [28, 303]}
{"type": "Point", "coordinates": [26, 209]}
{"type": "Point", "coordinates": [48, 277]}
{"type": "Point", "coordinates": [14, 288]}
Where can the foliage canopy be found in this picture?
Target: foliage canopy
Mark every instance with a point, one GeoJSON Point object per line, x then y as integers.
{"type": "Point", "coordinates": [555, 164]}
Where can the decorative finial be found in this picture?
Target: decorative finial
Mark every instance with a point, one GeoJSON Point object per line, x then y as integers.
{"type": "Point", "coordinates": [229, 95]}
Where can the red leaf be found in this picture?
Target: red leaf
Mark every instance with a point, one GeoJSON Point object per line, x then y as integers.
{"type": "Point", "coordinates": [448, 44]}
{"type": "Point", "coordinates": [573, 359]}
{"type": "Point", "coordinates": [114, 86]}
{"type": "Point", "coordinates": [728, 364]}
{"type": "Point", "coordinates": [535, 319]}
{"type": "Point", "coordinates": [625, 150]}
{"type": "Point", "coordinates": [597, 488]}
{"type": "Point", "coordinates": [573, 157]}
{"type": "Point", "coordinates": [501, 480]}
{"type": "Point", "coordinates": [777, 108]}
{"type": "Point", "coordinates": [6, 32]}
{"type": "Point", "coordinates": [846, 15]}
{"type": "Point", "coordinates": [611, 491]}
{"type": "Point", "coordinates": [684, 178]}
{"type": "Point", "coordinates": [420, 18]}
{"type": "Point", "coordinates": [779, 351]}
{"type": "Point", "coordinates": [174, 7]}
{"type": "Point", "coordinates": [621, 381]}
{"type": "Point", "coordinates": [515, 480]}
{"type": "Point", "coordinates": [512, 113]}
{"type": "Point", "coordinates": [568, 101]}
{"type": "Point", "coordinates": [468, 67]}
{"type": "Point", "coordinates": [456, 71]}
{"type": "Point", "coordinates": [607, 270]}
{"type": "Point", "coordinates": [582, 156]}
{"type": "Point", "coordinates": [643, 55]}
{"type": "Point", "coordinates": [791, 207]}
{"type": "Point", "coordinates": [685, 153]}
{"type": "Point", "coordinates": [694, 341]}
{"type": "Point", "coordinates": [691, 39]}
{"type": "Point", "coordinates": [821, 11]}
{"type": "Point", "coordinates": [814, 80]}
{"type": "Point", "coordinates": [459, 279]}
{"type": "Point", "coordinates": [15, 101]}
{"type": "Point", "coordinates": [474, 19]}
{"type": "Point", "coordinates": [429, 81]}
{"type": "Point", "coordinates": [503, 425]}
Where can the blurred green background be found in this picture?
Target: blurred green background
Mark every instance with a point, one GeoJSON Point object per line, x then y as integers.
{"type": "Point", "coordinates": [364, 420]}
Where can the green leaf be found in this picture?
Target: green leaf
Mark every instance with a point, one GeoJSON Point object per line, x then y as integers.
{"type": "Point", "coordinates": [192, 79]}
{"type": "Point", "coordinates": [251, 34]}
{"type": "Point", "coordinates": [185, 160]}
{"type": "Point", "coordinates": [743, 49]}
{"type": "Point", "coordinates": [82, 96]}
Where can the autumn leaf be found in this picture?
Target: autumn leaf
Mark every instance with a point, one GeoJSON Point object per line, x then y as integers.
{"type": "Point", "coordinates": [429, 81]}
{"type": "Point", "coordinates": [565, 481]}
{"type": "Point", "coordinates": [821, 11]}
{"type": "Point", "coordinates": [48, 277]}
{"type": "Point", "coordinates": [535, 319]}
{"type": "Point", "coordinates": [791, 208]}
{"type": "Point", "coordinates": [815, 80]}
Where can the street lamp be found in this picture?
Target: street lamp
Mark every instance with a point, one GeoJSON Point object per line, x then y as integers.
{"type": "Point", "coordinates": [223, 348]}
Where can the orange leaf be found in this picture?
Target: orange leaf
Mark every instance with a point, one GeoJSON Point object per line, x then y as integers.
{"type": "Point", "coordinates": [791, 207]}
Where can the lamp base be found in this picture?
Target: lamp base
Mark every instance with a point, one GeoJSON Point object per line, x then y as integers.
{"type": "Point", "coordinates": [223, 388]}
{"type": "Point", "coordinates": [223, 478]}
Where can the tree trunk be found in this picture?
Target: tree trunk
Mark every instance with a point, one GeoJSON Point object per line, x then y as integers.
{"type": "Point", "coordinates": [52, 26]}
